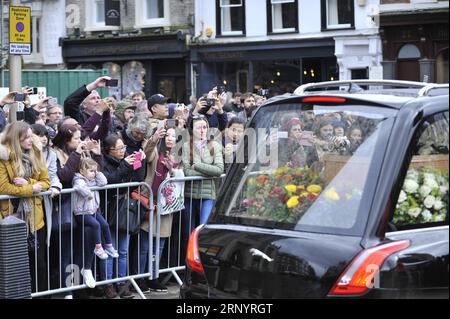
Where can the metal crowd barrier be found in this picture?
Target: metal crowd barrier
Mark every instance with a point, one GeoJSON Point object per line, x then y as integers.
{"type": "Point", "coordinates": [74, 281]}
{"type": "Point", "coordinates": [176, 244]}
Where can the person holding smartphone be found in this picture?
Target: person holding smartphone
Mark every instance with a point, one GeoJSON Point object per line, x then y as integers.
{"type": "Point", "coordinates": [211, 106]}
{"type": "Point", "coordinates": [160, 165]}
{"type": "Point", "coordinates": [296, 150]}
{"type": "Point", "coordinates": [82, 103]}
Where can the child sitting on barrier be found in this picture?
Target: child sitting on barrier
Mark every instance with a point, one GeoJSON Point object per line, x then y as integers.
{"type": "Point", "coordinates": [86, 205]}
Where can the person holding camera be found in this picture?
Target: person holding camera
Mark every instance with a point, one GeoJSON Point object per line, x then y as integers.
{"type": "Point", "coordinates": [82, 103]}
{"type": "Point", "coordinates": [211, 106]}
{"type": "Point", "coordinates": [97, 127]}
{"type": "Point", "coordinates": [118, 168]}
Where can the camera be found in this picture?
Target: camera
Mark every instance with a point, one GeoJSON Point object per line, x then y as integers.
{"type": "Point", "coordinates": [210, 103]}
{"type": "Point", "coordinates": [112, 83]}
{"type": "Point", "coordinates": [221, 89]}
{"type": "Point", "coordinates": [19, 97]}
{"type": "Point", "coordinates": [263, 92]}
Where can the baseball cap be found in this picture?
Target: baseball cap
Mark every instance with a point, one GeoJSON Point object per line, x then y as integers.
{"type": "Point", "coordinates": [157, 99]}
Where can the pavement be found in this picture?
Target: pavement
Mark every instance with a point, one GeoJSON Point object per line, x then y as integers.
{"type": "Point", "coordinates": [172, 293]}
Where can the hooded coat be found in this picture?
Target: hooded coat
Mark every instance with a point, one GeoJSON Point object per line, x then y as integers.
{"type": "Point", "coordinates": [7, 187]}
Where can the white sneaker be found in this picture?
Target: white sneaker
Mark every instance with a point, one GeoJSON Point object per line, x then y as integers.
{"type": "Point", "coordinates": [68, 297]}
{"type": "Point", "coordinates": [88, 278]}
{"type": "Point", "coordinates": [100, 253]}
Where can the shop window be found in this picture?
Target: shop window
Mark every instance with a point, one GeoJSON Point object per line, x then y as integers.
{"type": "Point", "coordinates": [152, 13]}
{"type": "Point", "coordinates": [133, 74]}
{"type": "Point", "coordinates": [230, 17]}
{"type": "Point", "coordinates": [360, 74]}
{"type": "Point", "coordinates": [423, 199]}
{"type": "Point", "coordinates": [442, 67]}
{"type": "Point", "coordinates": [283, 16]}
{"type": "Point", "coordinates": [338, 14]}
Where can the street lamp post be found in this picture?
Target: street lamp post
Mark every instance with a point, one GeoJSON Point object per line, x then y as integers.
{"type": "Point", "coordinates": [15, 74]}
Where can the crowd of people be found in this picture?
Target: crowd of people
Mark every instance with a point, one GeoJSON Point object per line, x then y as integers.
{"type": "Point", "coordinates": [90, 141]}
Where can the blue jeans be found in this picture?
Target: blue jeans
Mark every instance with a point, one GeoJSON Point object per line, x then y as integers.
{"type": "Point", "coordinates": [93, 228]}
{"type": "Point", "coordinates": [144, 246]}
{"type": "Point", "coordinates": [121, 244]}
{"type": "Point", "coordinates": [201, 208]}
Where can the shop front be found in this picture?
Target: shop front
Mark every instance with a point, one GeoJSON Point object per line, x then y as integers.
{"type": "Point", "coordinates": [415, 45]}
{"type": "Point", "coordinates": [152, 64]}
{"type": "Point", "coordinates": [280, 66]}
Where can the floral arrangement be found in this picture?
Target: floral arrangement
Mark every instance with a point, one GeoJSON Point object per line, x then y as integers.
{"type": "Point", "coordinates": [423, 198]}
{"type": "Point", "coordinates": [283, 195]}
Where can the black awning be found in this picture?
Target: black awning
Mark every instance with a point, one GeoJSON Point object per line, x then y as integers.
{"type": "Point", "coordinates": [123, 49]}
{"type": "Point", "coordinates": [267, 50]}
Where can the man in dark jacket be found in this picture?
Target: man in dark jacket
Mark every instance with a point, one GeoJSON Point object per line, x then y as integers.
{"type": "Point", "coordinates": [82, 103]}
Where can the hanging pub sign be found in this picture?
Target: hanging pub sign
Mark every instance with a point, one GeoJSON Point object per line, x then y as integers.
{"type": "Point", "coordinates": [112, 12]}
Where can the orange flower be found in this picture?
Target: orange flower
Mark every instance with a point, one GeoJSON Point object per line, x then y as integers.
{"type": "Point", "coordinates": [261, 179]}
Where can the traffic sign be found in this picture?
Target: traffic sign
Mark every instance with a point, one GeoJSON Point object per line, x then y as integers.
{"type": "Point", "coordinates": [19, 30]}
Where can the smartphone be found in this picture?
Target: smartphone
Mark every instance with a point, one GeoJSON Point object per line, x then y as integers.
{"type": "Point", "coordinates": [137, 161]}
{"type": "Point", "coordinates": [112, 83]}
{"type": "Point", "coordinates": [307, 138]}
{"type": "Point", "coordinates": [221, 89]}
{"type": "Point", "coordinates": [19, 97]}
{"type": "Point", "coordinates": [171, 123]}
{"type": "Point", "coordinates": [35, 91]}
{"type": "Point", "coordinates": [53, 101]}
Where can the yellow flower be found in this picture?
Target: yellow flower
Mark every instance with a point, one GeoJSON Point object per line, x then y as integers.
{"type": "Point", "coordinates": [331, 194]}
{"type": "Point", "coordinates": [279, 171]}
{"type": "Point", "coordinates": [304, 194]}
{"type": "Point", "coordinates": [251, 181]}
{"type": "Point", "coordinates": [315, 189]}
{"type": "Point", "coordinates": [291, 188]}
{"type": "Point", "coordinates": [293, 202]}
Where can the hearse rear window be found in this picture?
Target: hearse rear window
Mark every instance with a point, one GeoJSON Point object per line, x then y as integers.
{"type": "Point", "coordinates": [308, 167]}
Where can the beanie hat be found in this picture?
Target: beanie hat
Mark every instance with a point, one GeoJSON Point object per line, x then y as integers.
{"type": "Point", "coordinates": [121, 107]}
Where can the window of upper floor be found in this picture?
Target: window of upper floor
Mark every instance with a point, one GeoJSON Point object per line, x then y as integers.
{"type": "Point", "coordinates": [95, 16]}
{"type": "Point", "coordinates": [230, 17]}
{"type": "Point", "coordinates": [337, 14]}
{"type": "Point", "coordinates": [152, 13]}
{"type": "Point", "coordinates": [282, 16]}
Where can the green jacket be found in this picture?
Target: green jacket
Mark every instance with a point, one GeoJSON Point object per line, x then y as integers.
{"type": "Point", "coordinates": [206, 165]}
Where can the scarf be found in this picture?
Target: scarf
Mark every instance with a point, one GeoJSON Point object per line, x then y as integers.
{"type": "Point", "coordinates": [200, 146]}
{"type": "Point", "coordinates": [24, 209]}
{"type": "Point", "coordinates": [62, 156]}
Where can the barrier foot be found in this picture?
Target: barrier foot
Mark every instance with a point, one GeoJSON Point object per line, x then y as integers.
{"type": "Point", "coordinates": [177, 278]}
{"type": "Point", "coordinates": [136, 287]}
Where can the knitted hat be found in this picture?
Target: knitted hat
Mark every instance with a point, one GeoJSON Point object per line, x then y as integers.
{"type": "Point", "coordinates": [121, 107]}
{"type": "Point", "coordinates": [292, 122]}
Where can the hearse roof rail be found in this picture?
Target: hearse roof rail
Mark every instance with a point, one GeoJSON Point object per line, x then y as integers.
{"type": "Point", "coordinates": [373, 86]}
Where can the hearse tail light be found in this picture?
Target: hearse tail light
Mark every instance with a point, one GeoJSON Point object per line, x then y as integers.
{"type": "Point", "coordinates": [357, 279]}
{"type": "Point", "coordinates": [193, 254]}
{"type": "Point", "coordinates": [324, 99]}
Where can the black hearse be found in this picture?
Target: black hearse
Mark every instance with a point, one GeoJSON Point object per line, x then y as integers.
{"type": "Point", "coordinates": [333, 217]}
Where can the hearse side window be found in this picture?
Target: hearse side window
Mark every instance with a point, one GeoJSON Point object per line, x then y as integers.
{"type": "Point", "coordinates": [423, 200]}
